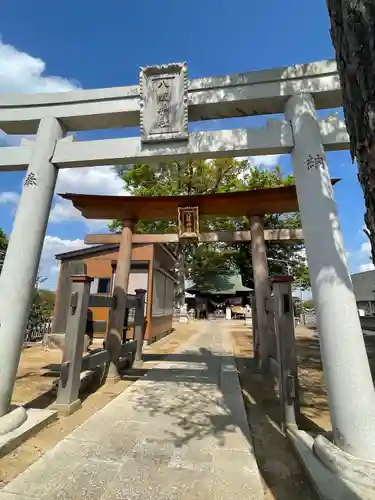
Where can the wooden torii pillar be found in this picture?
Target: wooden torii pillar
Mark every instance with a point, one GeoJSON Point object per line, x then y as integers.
{"type": "Point", "coordinates": [261, 286]}
{"type": "Point", "coordinates": [120, 291]}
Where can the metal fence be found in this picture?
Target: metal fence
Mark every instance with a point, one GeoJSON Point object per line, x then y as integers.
{"type": "Point", "coordinates": [36, 333]}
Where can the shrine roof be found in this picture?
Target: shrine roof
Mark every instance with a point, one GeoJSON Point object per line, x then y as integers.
{"type": "Point", "coordinates": [235, 204]}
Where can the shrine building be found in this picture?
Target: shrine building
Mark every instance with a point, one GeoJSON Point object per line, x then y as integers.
{"type": "Point", "coordinates": [152, 268]}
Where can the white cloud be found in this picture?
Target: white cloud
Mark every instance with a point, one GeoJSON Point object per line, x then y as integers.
{"type": "Point", "coordinates": [48, 264]}
{"type": "Point", "coordinates": [267, 161]}
{"type": "Point", "coordinates": [366, 248]}
{"type": "Point", "coordinates": [9, 197]}
{"type": "Point", "coordinates": [98, 180]}
{"type": "Point", "coordinates": [21, 72]}
{"type": "Point", "coordinates": [364, 255]}
{"type": "Point", "coordinates": [63, 211]}
{"type": "Point", "coordinates": [369, 266]}
{"type": "Point", "coordinates": [90, 180]}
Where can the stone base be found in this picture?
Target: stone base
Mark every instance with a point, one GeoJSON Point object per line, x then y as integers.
{"type": "Point", "coordinates": [12, 420]}
{"type": "Point", "coordinates": [183, 319]}
{"type": "Point", "coordinates": [344, 465]}
{"type": "Point", "coordinates": [327, 484]}
{"type": "Point", "coordinates": [137, 364]}
{"type": "Point", "coordinates": [67, 409]}
{"type": "Point", "coordinates": [113, 380]}
{"type": "Point", "coordinates": [35, 421]}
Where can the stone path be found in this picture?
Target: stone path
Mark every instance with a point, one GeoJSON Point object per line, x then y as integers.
{"type": "Point", "coordinates": [178, 433]}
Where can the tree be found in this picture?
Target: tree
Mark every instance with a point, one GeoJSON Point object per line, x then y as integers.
{"type": "Point", "coordinates": [205, 177]}
{"type": "Point", "coordinates": [301, 276]}
{"type": "Point", "coordinates": [353, 37]}
{"type": "Point", "coordinates": [3, 247]}
{"type": "Point", "coordinates": [308, 304]}
{"type": "Point", "coordinates": [42, 305]}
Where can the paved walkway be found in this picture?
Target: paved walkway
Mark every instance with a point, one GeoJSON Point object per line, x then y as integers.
{"type": "Point", "coordinates": [178, 433]}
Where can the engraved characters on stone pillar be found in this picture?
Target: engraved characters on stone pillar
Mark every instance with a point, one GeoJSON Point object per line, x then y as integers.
{"type": "Point", "coordinates": [164, 103]}
{"type": "Point", "coordinates": [163, 97]}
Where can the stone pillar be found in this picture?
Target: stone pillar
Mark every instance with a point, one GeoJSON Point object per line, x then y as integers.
{"type": "Point", "coordinates": [261, 285]}
{"type": "Point", "coordinates": [70, 377]}
{"type": "Point", "coordinates": [139, 322]}
{"type": "Point", "coordinates": [254, 326]}
{"type": "Point", "coordinates": [63, 293]}
{"type": "Point", "coordinates": [120, 292]}
{"type": "Point", "coordinates": [345, 363]}
{"type": "Point", "coordinates": [286, 349]}
{"type": "Point", "coordinates": [22, 259]}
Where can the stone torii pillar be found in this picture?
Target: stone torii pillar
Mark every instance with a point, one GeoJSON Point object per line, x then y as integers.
{"type": "Point", "coordinates": [23, 255]}
{"type": "Point", "coordinates": [120, 292]}
{"type": "Point", "coordinates": [261, 284]}
{"type": "Point", "coordinates": [346, 369]}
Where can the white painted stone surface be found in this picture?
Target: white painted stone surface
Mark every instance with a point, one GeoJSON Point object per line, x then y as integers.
{"type": "Point", "coordinates": [328, 486]}
{"type": "Point", "coordinates": [35, 420]}
{"type": "Point", "coordinates": [21, 263]}
{"type": "Point", "coordinates": [257, 92]}
{"type": "Point", "coordinates": [350, 389]}
{"type": "Point", "coordinates": [275, 138]}
{"type": "Point", "coordinates": [181, 432]}
{"type": "Point", "coordinates": [15, 418]}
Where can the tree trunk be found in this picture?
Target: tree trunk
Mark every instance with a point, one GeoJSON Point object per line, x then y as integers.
{"type": "Point", "coordinates": [353, 37]}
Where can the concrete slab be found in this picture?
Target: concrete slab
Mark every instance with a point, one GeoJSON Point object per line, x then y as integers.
{"type": "Point", "coordinates": [36, 420]}
{"type": "Point", "coordinates": [327, 485]}
{"type": "Point", "coordinates": [177, 433]}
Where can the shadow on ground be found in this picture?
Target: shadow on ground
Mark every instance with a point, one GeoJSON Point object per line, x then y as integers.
{"type": "Point", "coordinates": [191, 411]}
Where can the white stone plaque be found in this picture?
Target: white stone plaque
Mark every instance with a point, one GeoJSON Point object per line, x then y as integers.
{"type": "Point", "coordinates": [164, 103]}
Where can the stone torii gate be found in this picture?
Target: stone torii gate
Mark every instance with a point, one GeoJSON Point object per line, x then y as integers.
{"type": "Point", "coordinates": [162, 105]}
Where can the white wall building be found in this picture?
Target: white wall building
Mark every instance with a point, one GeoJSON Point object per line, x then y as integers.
{"type": "Point", "coordinates": [364, 291]}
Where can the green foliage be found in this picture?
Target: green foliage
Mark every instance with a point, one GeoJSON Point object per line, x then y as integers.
{"type": "Point", "coordinates": [46, 300]}
{"type": "Point", "coordinates": [42, 305]}
{"type": "Point", "coordinates": [301, 277]}
{"type": "Point", "coordinates": [308, 304]}
{"type": "Point", "coordinates": [208, 177]}
{"type": "Point", "coordinates": [202, 260]}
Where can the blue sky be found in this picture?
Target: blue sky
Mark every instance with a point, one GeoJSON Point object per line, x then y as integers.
{"type": "Point", "coordinates": [50, 46]}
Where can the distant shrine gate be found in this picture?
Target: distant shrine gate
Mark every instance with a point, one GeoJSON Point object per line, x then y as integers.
{"type": "Point", "coordinates": [163, 104]}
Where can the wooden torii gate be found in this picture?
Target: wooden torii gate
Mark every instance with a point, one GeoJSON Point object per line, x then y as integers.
{"type": "Point", "coordinates": [187, 210]}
